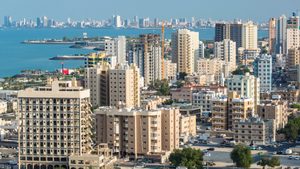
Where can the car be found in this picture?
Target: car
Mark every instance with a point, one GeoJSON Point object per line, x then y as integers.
{"type": "Point", "coordinates": [211, 149]}
{"type": "Point", "coordinates": [279, 152]}
{"type": "Point", "coordinates": [290, 157]}
{"type": "Point", "coordinates": [296, 158]}
{"type": "Point", "coordinates": [259, 148]}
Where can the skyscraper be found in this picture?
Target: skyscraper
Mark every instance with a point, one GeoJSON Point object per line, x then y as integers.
{"type": "Point", "coordinates": [249, 36]}
{"type": "Point", "coordinates": [117, 21]}
{"type": "Point", "coordinates": [7, 21]}
{"type": "Point", "coordinates": [281, 35]}
{"type": "Point", "coordinates": [145, 52]}
{"type": "Point", "coordinates": [54, 123]}
{"type": "Point", "coordinates": [185, 50]}
{"type": "Point", "coordinates": [222, 31]}
{"type": "Point", "coordinates": [272, 35]}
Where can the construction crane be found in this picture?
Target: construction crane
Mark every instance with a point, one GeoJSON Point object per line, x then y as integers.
{"type": "Point", "coordinates": [162, 50]}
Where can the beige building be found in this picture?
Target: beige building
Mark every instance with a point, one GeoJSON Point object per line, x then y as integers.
{"type": "Point", "coordinates": [228, 110]}
{"type": "Point", "coordinates": [136, 133]}
{"type": "Point", "coordinates": [249, 35]}
{"type": "Point", "coordinates": [276, 110]}
{"type": "Point", "coordinates": [293, 57]}
{"type": "Point", "coordinates": [100, 158]}
{"type": "Point", "coordinates": [170, 70]}
{"type": "Point", "coordinates": [187, 125]}
{"type": "Point", "coordinates": [185, 50]}
{"type": "Point", "coordinates": [215, 67]}
{"type": "Point", "coordinates": [250, 131]}
{"type": "Point", "coordinates": [54, 123]}
{"type": "Point", "coordinates": [272, 35]}
{"type": "Point", "coordinates": [246, 86]}
{"type": "Point", "coordinates": [124, 87]}
{"type": "Point", "coordinates": [96, 79]}
{"type": "Point", "coordinates": [226, 50]}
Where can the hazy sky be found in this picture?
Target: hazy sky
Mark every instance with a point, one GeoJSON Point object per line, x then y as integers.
{"type": "Point", "coordinates": [258, 10]}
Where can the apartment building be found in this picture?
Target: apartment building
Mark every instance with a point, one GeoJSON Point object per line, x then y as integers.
{"type": "Point", "coordinates": [54, 123]}
{"type": "Point", "coordinates": [226, 51]}
{"type": "Point", "coordinates": [185, 50]}
{"type": "Point", "coordinates": [136, 133]}
{"type": "Point", "coordinates": [276, 110]}
{"type": "Point", "coordinates": [97, 80]}
{"type": "Point", "coordinates": [250, 131]}
{"type": "Point", "coordinates": [263, 70]}
{"type": "Point", "coordinates": [214, 66]}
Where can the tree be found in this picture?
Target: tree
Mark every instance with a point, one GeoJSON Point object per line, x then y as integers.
{"type": "Point", "coordinates": [272, 162]}
{"type": "Point", "coordinates": [162, 86]}
{"type": "Point", "coordinates": [182, 75]}
{"type": "Point", "coordinates": [241, 156]}
{"type": "Point", "coordinates": [292, 129]}
{"type": "Point", "coordinates": [188, 157]}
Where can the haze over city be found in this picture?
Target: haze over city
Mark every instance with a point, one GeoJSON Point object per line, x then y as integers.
{"type": "Point", "coordinates": [257, 10]}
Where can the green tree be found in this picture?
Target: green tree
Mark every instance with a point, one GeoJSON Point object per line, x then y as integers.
{"type": "Point", "coordinates": [162, 86]}
{"type": "Point", "coordinates": [241, 156]}
{"type": "Point", "coordinates": [292, 129]}
{"type": "Point", "coordinates": [272, 162]}
{"type": "Point", "coordinates": [182, 75]}
{"type": "Point", "coordinates": [188, 157]}
{"type": "Point", "coordinates": [263, 162]}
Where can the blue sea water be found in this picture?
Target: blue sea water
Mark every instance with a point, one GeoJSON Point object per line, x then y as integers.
{"type": "Point", "coordinates": [15, 56]}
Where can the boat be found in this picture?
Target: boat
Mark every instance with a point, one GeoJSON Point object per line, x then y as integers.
{"type": "Point", "coordinates": [67, 57]}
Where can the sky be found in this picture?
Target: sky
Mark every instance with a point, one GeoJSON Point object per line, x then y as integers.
{"type": "Point", "coordinates": [257, 10]}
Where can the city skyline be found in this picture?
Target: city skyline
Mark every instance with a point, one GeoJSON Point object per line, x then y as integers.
{"type": "Point", "coordinates": [163, 10]}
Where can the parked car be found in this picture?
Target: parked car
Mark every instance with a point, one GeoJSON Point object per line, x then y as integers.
{"type": "Point", "coordinates": [211, 149]}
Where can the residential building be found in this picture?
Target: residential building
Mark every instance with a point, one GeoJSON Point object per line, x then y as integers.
{"type": "Point", "coordinates": [281, 35]}
{"type": "Point", "coordinates": [272, 35]}
{"type": "Point", "coordinates": [170, 70]}
{"type": "Point", "coordinates": [135, 133]}
{"type": "Point", "coordinates": [201, 49]}
{"type": "Point", "coordinates": [227, 110]}
{"type": "Point", "coordinates": [293, 32]}
{"type": "Point", "coordinates": [185, 50]}
{"type": "Point", "coordinates": [212, 67]}
{"type": "Point", "coordinates": [263, 70]}
{"type": "Point", "coordinates": [96, 58]}
{"type": "Point", "coordinates": [97, 80]}
{"type": "Point", "coordinates": [226, 50]}
{"type": "Point", "coordinates": [145, 52]}
{"type": "Point", "coordinates": [187, 126]}
{"type": "Point", "coordinates": [203, 99]}
{"type": "Point", "coordinates": [293, 58]}
{"type": "Point", "coordinates": [276, 110]}
{"type": "Point", "coordinates": [116, 47]}
{"type": "Point", "coordinates": [246, 86]}
{"type": "Point", "coordinates": [124, 87]}
{"type": "Point", "coordinates": [250, 131]}
{"type": "Point", "coordinates": [54, 123]}
{"type": "Point", "coordinates": [249, 35]}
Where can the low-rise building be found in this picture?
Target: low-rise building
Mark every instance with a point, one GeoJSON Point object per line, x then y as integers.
{"type": "Point", "coordinates": [276, 110]}
{"type": "Point", "coordinates": [250, 131]}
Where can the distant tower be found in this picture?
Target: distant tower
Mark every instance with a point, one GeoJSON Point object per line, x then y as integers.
{"type": "Point", "coordinates": [162, 49]}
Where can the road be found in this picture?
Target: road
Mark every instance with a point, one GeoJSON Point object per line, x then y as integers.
{"type": "Point", "coordinates": [221, 156]}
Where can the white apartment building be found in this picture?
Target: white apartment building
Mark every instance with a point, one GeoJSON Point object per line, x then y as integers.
{"type": "Point", "coordinates": [54, 123]}
{"type": "Point", "coordinates": [263, 70]}
{"type": "Point", "coordinates": [226, 50]}
{"type": "Point", "coordinates": [185, 50]}
{"type": "Point", "coordinates": [203, 99]}
{"type": "Point", "coordinates": [116, 47]}
{"type": "Point", "coordinates": [245, 85]}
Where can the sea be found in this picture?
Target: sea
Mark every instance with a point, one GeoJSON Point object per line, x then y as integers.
{"type": "Point", "coordinates": [16, 56]}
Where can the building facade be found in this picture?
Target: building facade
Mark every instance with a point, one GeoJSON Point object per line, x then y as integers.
{"type": "Point", "coordinates": [263, 70]}
{"type": "Point", "coordinates": [54, 123]}
{"type": "Point", "coordinates": [185, 50]}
